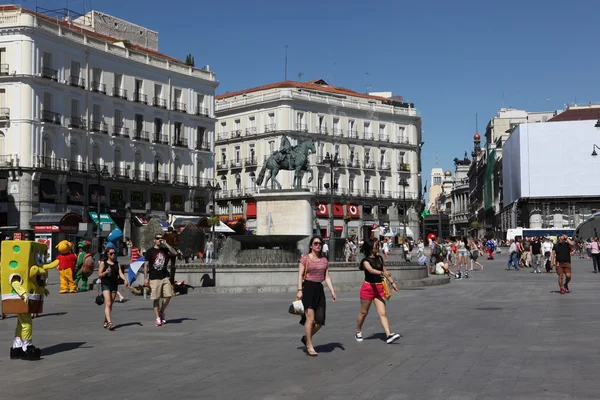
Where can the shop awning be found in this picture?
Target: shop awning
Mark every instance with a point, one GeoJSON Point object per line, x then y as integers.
{"type": "Point", "coordinates": [104, 219]}
{"type": "Point", "coordinates": [47, 189]}
{"type": "Point", "coordinates": [75, 189]}
{"type": "Point", "coordinates": [180, 221]}
{"type": "Point", "coordinates": [251, 210]}
{"type": "Point", "coordinates": [338, 228]}
{"type": "Point", "coordinates": [55, 222]}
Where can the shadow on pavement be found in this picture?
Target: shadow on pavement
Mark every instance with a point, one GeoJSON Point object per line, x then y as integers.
{"type": "Point", "coordinates": [380, 336]}
{"type": "Point", "coordinates": [50, 314]}
{"type": "Point", "coordinates": [179, 320]}
{"type": "Point", "coordinates": [329, 347]}
{"type": "Point", "coordinates": [128, 324]}
{"type": "Point", "coordinates": [62, 347]}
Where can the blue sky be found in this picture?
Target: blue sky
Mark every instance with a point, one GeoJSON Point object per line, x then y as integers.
{"type": "Point", "coordinates": [452, 59]}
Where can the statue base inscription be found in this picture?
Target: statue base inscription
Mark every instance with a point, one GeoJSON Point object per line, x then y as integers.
{"type": "Point", "coordinates": [287, 212]}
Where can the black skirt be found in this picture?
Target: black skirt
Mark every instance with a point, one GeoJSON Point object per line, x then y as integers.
{"type": "Point", "coordinates": [313, 296]}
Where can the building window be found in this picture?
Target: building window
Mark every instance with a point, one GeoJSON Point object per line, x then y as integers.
{"type": "Point", "coordinates": [74, 153]}
{"type": "Point", "coordinates": [382, 185]}
{"type": "Point", "coordinates": [437, 180]}
{"type": "Point", "coordinates": [271, 147]}
{"type": "Point", "coordinates": [238, 154]}
{"type": "Point", "coordinates": [367, 156]}
{"type": "Point", "coordinates": [351, 154]}
{"type": "Point", "coordinates": [252, 151]}
{"type": "Point", "coordinates": [382, 158]}
{"type": "Point", "coordinates": [223, 127]}
{"type": "Point", "coordinates": [223, 183]}
{"type": "Point", "coordinates": [223, 156]}
{"type": "Point", "coordinates": [401, 137]}
{"type": "Point", "coordinates": [253, 180]}
{"type": "Point", "coordinates": [320, 183]}
{"type": "Point", "coordinates": [351, 184]}
{"type": "Point", "coordinates": [177, 132]}
{"type": "Point", "coordinates": [367, 184]}
{"type": "Point", "coordinates": [96, 155]}
{"type": "Point", "coordinates": [351, 129]}
{"type": "Point", "coordinates": [238, 182]}
{"type": "Point", "coordinates": [158, 126]}
{"type": "Point", "coordinates": [401, 155]}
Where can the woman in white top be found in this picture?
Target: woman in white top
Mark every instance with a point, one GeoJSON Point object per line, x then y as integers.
{"type": "Point", "coordinates": [595, 250]}
{"type": "Point", "coordinates": [386, 249]}
{"type": "Point", "coordinates": [463, 253]}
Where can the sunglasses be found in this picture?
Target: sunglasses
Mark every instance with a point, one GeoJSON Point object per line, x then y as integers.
{"type": "Point", "coordinates": [111, 254]}
{"type": "Point", "coordinates": [317, 243]}
{"type": "Point", "coordinates": [158, 238]}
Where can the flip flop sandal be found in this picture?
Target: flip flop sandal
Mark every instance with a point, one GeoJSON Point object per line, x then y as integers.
{"type": "Point", "coordinates": [111, 327]}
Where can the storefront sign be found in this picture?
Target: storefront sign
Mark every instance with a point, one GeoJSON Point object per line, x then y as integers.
{"type": "Point", "coordinates": [177, 202]}
{"type": "Point", "coordinates": [117, 197]}
{"type": "Point", "coordinates": [46, 228]}
{"type": "Point", "coordinates": [137, 199]}
{"type": "Point", "coordinates": [157, 201]}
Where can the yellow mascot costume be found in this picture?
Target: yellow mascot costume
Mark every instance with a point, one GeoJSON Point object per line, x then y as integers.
{"type": "Point", "coordinates": [23, 289]}
{"type": "Point", "coordinates": [67, 261]}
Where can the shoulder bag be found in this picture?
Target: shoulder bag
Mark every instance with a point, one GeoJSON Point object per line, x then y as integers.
{"type": "Point", "coordinates": [100, 297]}
{"type": "Point", "coordinates": [387, 290]}
{"type": "Point", "coordinates": [297, 307]}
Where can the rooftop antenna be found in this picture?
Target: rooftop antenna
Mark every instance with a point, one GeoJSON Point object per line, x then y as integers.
{"type": "Point", "coordinates": [300, 75]}
{"type": "Point", "coordinates": [286, 46]}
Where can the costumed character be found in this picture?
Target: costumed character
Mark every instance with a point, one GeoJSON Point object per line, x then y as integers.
{"type": "Point", "coordinates": [85, 265]}
{"type": "Point", "coordinates": [66, 267]}
{"type": "Point", "coordinates": [24, 275]}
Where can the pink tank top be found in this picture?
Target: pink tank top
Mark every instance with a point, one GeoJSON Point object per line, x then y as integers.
{"type": "Point", "coordinates": [316, 269]}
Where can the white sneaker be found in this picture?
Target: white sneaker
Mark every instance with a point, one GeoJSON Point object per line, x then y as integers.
{"type": "Point", "coordinates": [358, 337]}
{"type": "Point", "coordinates": [392, 338]}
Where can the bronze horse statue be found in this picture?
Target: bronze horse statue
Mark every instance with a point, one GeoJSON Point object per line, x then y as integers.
{"type": "Point", "coordinates": [296, 160]}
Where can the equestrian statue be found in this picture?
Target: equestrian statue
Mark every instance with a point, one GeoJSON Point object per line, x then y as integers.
{"type": "Point", "coordinates": [290, 158]}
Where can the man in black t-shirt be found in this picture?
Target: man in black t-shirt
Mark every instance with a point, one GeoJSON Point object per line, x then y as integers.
{"type": "Point", "coordinates": [561, 257]}
{"type": "Point", "coordinates": [536, 252]}
{"type": "Point", "coordinates": [156, 276]}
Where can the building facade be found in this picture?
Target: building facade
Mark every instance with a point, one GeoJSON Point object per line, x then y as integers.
{"type": "Point", "coordinates": [459, 214]}
{"type": "Point", "coordinates": [377, 140]}
{"type": "Point", "coordinates": [93, 117]}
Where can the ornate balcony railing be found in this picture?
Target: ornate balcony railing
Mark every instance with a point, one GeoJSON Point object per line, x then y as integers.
{"type": "Point", "coordinates": [77, 81]}
{"type": "Point", "coordinates": [77, 166]}
{"type": "Point", "coordinates": [301, 127]}
{"type": "Point", "coordinates": [354, 163]}
{"type": "Point", "coordinates": [180, 142]}
{"type": "Point", "coordinates": [139, 134]}
{"type": "Point", "coordinates": [180, 179]}
{"type": "Point", "coordinates": [141, 175]}
{"type": "Point", "coordinates": [384, 166]}
{"type": "Point", "coordinates": [4, 113]}
{"type": "Point", "coordinates": [222, 165]}
{"type": "Point", "coordinates": [222, 136]}
{"type": "Point", "coordinates": [202, 111]}
{"type": "Point", "coordinates": [4, 69]}
{"type": "Point", "coordinates": [178, 106]}
{"type": "Point", "coordinates": [338, 132]}
{"type": "Point", "coordinates": [368, 136]}
{"type": "Point", "coordinates": [76, 122]}
{"type": "Point", "coordinates": [368, 164]}
{"type": "Point", "coordinates": [161, 177]}
{"type": "Point", "coordinates": [236, 163]}
{"type": "Point", "coordinates": [322, 130]}
{"type": "Point", "coordinates": [120, 93]}
{"type": "Point", "coordinates": [120, 131]}
{"type": "Point", "coordinates": [98, 87]}
{"type": "Point", "coordinates": [52, 117]}
{"type": "Point", "coordinates": [403, 140]}
{"type": "Point", "coordinates": [251, 131]}
{"type": "Point", "coordinates": [202, 146]}
{"type": "Point", "coordinates": [353, 134]}
{"type": "Point", "coordinates": [121, 173]}
{"type": "Point", "coordinates": [384, 137]}
{"type": "Point", "coordinates": [99, 126]}
{"type": "Point", "coordinates": [160, 102]}
{"type": "Point", "coordinates": [140, 98]}
{"type": "Point", "coordinates": [50, 73]}
{"type": "Point", "coordinates": [160, 139]}
{"type": "Point", "coordinates": [403, 167]}
{"type": "Point", "coordinates": [270, 128]}
{"type": "Point", "coordinates": [250, 162]}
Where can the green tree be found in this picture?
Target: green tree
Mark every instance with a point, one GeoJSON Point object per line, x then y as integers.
{"type": "Point", "coordinates": [189, 60]}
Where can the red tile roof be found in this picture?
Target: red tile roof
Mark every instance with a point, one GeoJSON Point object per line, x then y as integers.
{"type": "Point", "coordinates": [577, 114]}
{"type": "Point", "coordinates": [317, 84]}
{"type": "Point", "coordinates": [88, 32]}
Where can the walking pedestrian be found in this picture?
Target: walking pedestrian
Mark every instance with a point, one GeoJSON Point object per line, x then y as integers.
{"type": "Point", "coordinates": [463, 252]}
{"type": "Point", "coordinates": [490, 246]}
{"type": "Point", "coordinates": [547, 250]}
{"type": "Point", "coordinates": [208, 251]}
{"type": "Point", "coordinates": [561, 258]}
{"type": "Point", "coordinates": [538, 255]}
{"type": "Point", "coordinates": [513, 256]}
{"type": "Point", "coordinates": [386, 249]}
{"type": "Point", "coordinates": [526, 255]}
{"type": "Point", "coordinates": [372, 290]}
{"type": "Point", "coordinates": [109, 273]}
{"type": "Point", "coordinates": [595, 253]}
{"type": "Point", "coordinates": [156, 276]}
{"type": "Point", "coordinates": [475, 249]}
{"type": "Point", "coordinates": [310, 291]}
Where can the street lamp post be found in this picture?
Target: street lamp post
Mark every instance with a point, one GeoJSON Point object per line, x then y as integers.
{"type": "Point", "coordinates": [214, 188]}
{"type": "Point", "coordinates": [333, 162]}
{"type": "Point", "coordinates": [100, 173]}
{"type": "Point", "coordinates": [404, 183]}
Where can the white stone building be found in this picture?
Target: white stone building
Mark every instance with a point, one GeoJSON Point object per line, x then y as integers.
{"type": "Point", "coordinates": [377, 140]}
{"type": "Point", "coordinates": [75, 101]}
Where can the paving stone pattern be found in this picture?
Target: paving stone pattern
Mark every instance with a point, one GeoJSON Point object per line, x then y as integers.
{"type": "Point", "coordinates": [496, 335]}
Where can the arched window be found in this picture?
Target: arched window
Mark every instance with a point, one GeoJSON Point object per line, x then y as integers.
{"type": "Point", "coordinates": [223, 183]}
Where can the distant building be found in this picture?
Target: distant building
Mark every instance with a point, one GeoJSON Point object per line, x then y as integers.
{"type": "Point", "coordinates": [459, 214]}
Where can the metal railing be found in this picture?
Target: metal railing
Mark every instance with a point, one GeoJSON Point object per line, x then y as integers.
{"type": "Point", "coordinates": [222, 136]}
{"type": "Point", "coordinates": [368, 164]}
{"type": "Point", "coordinates": [160, 102]}
{"type": "Point", "coordinates": [141, 175]}
{"type": "Point", "coordinates": [98, 87]}
{"type": "Point", "coordinates": [180, 179]}
{"type": "Point", "coordinates": [251, 131]}
{"type": "Point", "coordinates": [162, 177]}
{"type": "Point", "coordinates": [178, 106]}
{"type": "Point", "coordinates": [368, 136]}
{"type": "Point", "coordinates": [77, 166]}
{"type": "Point", "coordinates": [140, 97]}
{"type": "Point", "coordinates": [302, 127]}
{"type": "Point", "coordinates": [250, 162]}
{"type": "Point", "coordinates": [353, 134]}
{"type": "Point", "coordinates": [180, 142]}
{"type": "Point", "coordinates": [403, 167]}
{"type": "Point", "coordinates": [120, 130]}
{"type": "Point", "coordinates": [403, 140]}
{"type": "Point", "coordinates": [384, 166]}
{"type": "Point", "coordinates": [50, 73]}
{"type": "Point", "coordinates": [338, 132]}
{"type": "Point", "coordinates": [270, 127]}
{"type": "Point", "coordinates": [202, 111]}
{"type": "Point", "coordinates": [77, 122]}
{"type": "Point", "coordinates": [236, 163]}
{"type": "Point", "coordinates": [57, 164]}
{"type": "Point", "coordinates": [120, 93]}
{"type": "Point", "coordinates": [353, 163]}
{"type": "Point", "coordinates": [160, 139]}
{"type": "Point", "coordinates": [52, 117]}
{"type": "Point", "coordinates": [221, 165]}
{"type": "Point", "coordinates": [9, 160]}
{"type": "Point", "coordinates": [99, 126]}
{"type": "Point", "coordinates": [384, 137]}
{"type": "Point", "coordinates": [139, 134]}
{"type": "Point", "coordinates": [4, 69]}
{"type": "Point", "coordinates": [78, 81]}
{"type": "Point", "coordinates": [201, 182]}
{"type": "Point", "coordinates": [236, 133]}
{"type": "Point", "coordinates": [4, 113]}
{"type": "Point", "coordinates": [202, 146]}
{"type": "Point", "coordinates": [119, 172]}
{"type": "Point", "coordinates": [322, 130]}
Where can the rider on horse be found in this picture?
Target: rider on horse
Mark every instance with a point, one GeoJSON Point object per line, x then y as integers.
{"type": "Point", "coordinates": [285, 148]}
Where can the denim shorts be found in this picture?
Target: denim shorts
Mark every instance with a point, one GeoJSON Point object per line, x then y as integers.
{"type": "Point", "coordinates": [109, 287]}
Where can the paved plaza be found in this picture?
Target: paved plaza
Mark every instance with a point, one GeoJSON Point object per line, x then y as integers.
{"type": "Point", "coordinates": [496, 335]}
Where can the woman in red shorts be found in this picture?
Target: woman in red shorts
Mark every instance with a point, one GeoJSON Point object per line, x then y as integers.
{"type": "Point", "coordinates": [372, 290]}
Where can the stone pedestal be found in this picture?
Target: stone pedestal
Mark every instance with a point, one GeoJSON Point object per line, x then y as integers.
{"type": "Point", "coordinates": [284, 212]}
